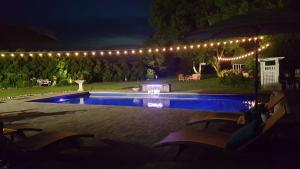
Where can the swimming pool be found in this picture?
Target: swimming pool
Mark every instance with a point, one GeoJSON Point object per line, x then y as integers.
{"type": "Point", "coordinates": [211, 102]}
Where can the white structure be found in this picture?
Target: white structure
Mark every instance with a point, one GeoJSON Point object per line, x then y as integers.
{"type": "Point", "coordinates": [80, 85]}
{"type": "Point", "coordinates": [238, 67]}
{"type": "Point", "coordinates": [269, 71]}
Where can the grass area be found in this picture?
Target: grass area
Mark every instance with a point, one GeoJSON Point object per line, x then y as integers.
{"type": "Point", "coordinates": [209, 85]}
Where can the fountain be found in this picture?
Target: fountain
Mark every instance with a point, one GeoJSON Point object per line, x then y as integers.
{"type": "Point", "coordinates": [80, 85]}
{"type": "Point", "coordinates": [156, 88]}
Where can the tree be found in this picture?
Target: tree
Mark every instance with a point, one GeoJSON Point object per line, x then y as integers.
{"type": "Point", "coordinates": [171, 19]}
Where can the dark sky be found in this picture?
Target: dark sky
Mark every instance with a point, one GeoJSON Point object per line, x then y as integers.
{"type": "Point", "coordinates": [83, 24]}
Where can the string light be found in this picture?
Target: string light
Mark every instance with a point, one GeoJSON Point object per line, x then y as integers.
{"type": "Point", "coordinates": [140, 51]}
{"type": "Point", "coordinates": [245, 55]}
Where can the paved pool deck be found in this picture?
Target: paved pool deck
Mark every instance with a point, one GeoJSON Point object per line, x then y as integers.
{"type": "Point", "coordinates": [134, 126]}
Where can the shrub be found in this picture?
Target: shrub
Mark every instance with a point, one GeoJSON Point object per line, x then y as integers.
{"type": "Point", "coordinates": [150, 73]}
{"type": "Point", "coordinates": [231, 77]}
{"type": "Point", "coordinates": [63, 82]}
{"type": "Point", "coordinates": [14, 80]}
{"type": "Point", "coordinates": [22, 72]}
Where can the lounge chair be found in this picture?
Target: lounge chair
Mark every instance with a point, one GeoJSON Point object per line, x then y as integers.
{"type": "Point", "coordinates": [14, 151]}
{"type": "Point", "coordinates": [219, 140]}
{"type": "Point", "coordinates": [194, 77]}
{"type": "Point", "coordinates": [19, 133]}
{"type": "Point", "coordinates": [181, 77]}
{"type": "Point", "coordinates": [230, 117]}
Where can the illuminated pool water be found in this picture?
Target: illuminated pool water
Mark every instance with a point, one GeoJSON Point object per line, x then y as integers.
{"type": "Point", "coordinates": [215, 102]}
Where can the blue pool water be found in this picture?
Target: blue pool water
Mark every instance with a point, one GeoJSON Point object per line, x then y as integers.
{"type": "Point", "coordinates": [222, 103]}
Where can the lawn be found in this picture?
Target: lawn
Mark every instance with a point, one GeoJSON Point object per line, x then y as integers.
{"type": "Point", "coordinates": [205, 85]}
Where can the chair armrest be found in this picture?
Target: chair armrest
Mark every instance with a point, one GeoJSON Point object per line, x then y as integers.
{"type": "Point", "coordinates": [29, 129]}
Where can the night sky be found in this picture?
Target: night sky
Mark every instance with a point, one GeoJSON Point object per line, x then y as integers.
{"type": "Point", "coordinates": [83, 24]}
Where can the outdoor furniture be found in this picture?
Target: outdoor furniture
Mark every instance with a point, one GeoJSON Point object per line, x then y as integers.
{"type": "Point", "coordinates": [36, 146]}
{"type": "Point", "coordinates": [219, 140]}
{"type": "Point", "coordinates": [194, 77]}
{"type": "Point", "coordinates": [230, 117]}
{"type": "Point", "coordinates": [43, 82]}
{"type": "Point", "coordinates": [18, 133]}
{"type": "Point", "coordinates": [181, 77]}
{"type": "Point", "coordinates": [135, 89]}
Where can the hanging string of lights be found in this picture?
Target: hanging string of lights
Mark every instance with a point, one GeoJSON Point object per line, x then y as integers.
{"type": "Point", "coordinates": [131, 51]}
{"type": "Point", "coordinates": [263, 47]}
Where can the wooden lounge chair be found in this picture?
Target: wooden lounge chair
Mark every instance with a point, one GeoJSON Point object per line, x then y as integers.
{"type": "Point", "coordinates": [181, 77]}
{"type": "Point", "coordinates": [194, 77]}
{"type": "Point", "coordinates": [216, 139]}
{"type": "Point", "coordinates": [34, 145]}
{"type": "Point", "coordinates": [18, 133]}
{"type": "Point", "coordinates": [230, 117]}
